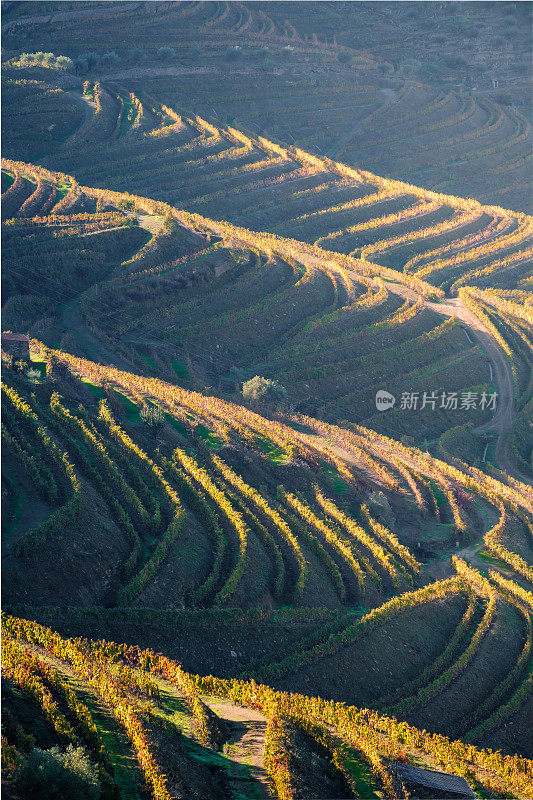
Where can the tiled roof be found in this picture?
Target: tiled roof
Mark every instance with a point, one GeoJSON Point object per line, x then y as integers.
{"type": "Point", "coordinates": [15, 337]}
{"type": "Point", "coordinates": [434, 780]}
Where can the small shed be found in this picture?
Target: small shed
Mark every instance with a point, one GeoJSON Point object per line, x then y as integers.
{"type": "Point", "coordinates": [16, 345]}
{"type": "Point", "coordinates": [428, 783]}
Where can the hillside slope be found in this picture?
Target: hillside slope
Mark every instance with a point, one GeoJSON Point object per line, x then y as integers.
{"type": "Point", "coordinates": [267, 473]}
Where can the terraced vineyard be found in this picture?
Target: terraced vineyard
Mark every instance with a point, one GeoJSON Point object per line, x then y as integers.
{"type": "Point", "coordinates": [212, 594]}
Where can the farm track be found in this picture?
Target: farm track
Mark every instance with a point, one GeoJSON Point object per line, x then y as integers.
{"type": "Point", "coordinates": [247, 744]}
{"type": "Point", "coordinates": [454, 307]}
{"type": "Point", "coordinates": [503, 418]}
{"type": "Point", "coordinates": [149, 223]}
{"type": "Point", "coordinates": [146, 221]}
{"type": "Point", "coordinates": [245, 747]}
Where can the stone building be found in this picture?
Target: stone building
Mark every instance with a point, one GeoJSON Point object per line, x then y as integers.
{"type": "Point", "coordinates": [16, 345]}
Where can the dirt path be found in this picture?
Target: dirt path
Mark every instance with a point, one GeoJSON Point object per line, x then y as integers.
{"type": "Point", "coordinates": [149, 222]}
{"type": "Point", "coordinates": [442, 568]}
{"type": "Point", "coordinates": [453, 307]}
{"type": "Point", "coordinates": [524, 496]}
{"type": "Point", "coordinates": [501, 373]}
{"type": "Point", "coordinates": [245, 749]}
{"type": "Point", "coordinates": [246, 746]}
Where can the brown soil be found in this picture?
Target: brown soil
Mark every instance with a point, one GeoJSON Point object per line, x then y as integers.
{"type": "Point", "coordinates": [247, 743]}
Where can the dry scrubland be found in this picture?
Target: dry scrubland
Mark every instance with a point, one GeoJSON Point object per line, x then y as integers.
{"type": "Point", "coordinates": [339, 224]}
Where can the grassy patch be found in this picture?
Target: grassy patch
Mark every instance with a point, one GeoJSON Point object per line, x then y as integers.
{"type": "Point", "coordinates": [125, 770]}
{"type": "Point", "coordinates": [7, 180]}
{"type": "Point", "coordinates": [437, 531]}
{"type": "Point", "coordinates": [361, 774]}
{"type": "Point", "coordinates": [61, 193]}
{"type": "Point", "coordinates": [176, 424]}
{"type": "Point", "coordinates": [133, 412]}
{"type": "Point", "coordinates": [239, 776]}
{"type": "Point", "coordinates": [211, 439]}
{"type": "Point", "coordinates": [485, 514]}
{"type": "Point", "coordinates": [339, 485]}
{"type": "Point", "coordinates": [125, 121]}
{"type": "Point", "coordinates": [179, 368]}
{"type": "Point", "coordinates": [150, 361]}
{"type": "Point", "coordinates": [275, 453]}
{"type": "Point", "coordinates": [483, 555]}
{"type": "Point", "coordinates": [175, 710]}
{"type": "Point", "coordinates": [439, 495]}
{"type": "Point", "coordinates": [95, 390]}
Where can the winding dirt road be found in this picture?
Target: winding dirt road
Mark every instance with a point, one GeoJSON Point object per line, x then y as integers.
{"type": "Point", "coordinates": [501, 373]}
{"type": "Point", "coordinates": [246, 747]}
{"type": "Point", "coordinates": [449, 307]}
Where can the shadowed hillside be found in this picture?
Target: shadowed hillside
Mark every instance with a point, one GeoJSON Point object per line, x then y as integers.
{"type": "Point", "coordinates": [266, 398]}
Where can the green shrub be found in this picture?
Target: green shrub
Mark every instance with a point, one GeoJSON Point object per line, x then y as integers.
{"type": "Point", "coordinates": [109, 59]}
{"type": "Point", "coordinates": [57, 775]}
{"type": "Point", "coordinates": [264, 390]}
{"type": "Point", "coordinates": [344, 57]}
{"type": "Point", "coordinates": [233, 52]}
{"type": "Point", "coordinates": [165, 53]}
